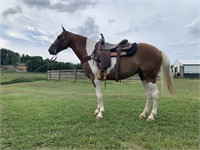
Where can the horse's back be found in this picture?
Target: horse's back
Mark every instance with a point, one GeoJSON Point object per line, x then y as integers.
{"type": "Point", "coordinates": [148, 51]}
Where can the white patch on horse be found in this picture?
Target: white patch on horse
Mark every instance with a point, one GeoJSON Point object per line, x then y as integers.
{"type": "Point", "coordinates": [90, 44]}
{"type": "Point", "coordinates": [113, 62]}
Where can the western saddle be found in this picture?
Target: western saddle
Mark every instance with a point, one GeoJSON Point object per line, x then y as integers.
{"type": "Point", "coordinates": [104, 51]}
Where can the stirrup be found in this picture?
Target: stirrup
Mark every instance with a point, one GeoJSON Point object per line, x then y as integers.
{"type": "Point", "coordinates": [101, 75]}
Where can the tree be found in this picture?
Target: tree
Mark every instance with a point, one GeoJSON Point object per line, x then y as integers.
{"type": "Point", "coordinates": [24, 58]}
{"type": "Point", "coordinates": [9, 57]}
{"type": "Point", "coordinates": [34, 63]}
{"type": "Point", "coordinates": [15, 58]}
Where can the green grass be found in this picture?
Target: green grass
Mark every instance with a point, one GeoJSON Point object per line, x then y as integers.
{"type": "Point", "coordinates": [13, 77]}
{"type": "Point", "coordinates": [59, 115]}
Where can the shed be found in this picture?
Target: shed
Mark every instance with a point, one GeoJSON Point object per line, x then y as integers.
{"type": "Point", "coordinates": [186, 68]}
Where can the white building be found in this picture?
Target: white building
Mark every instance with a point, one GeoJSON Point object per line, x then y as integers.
{"type": "Point", "coordinates": [186, 68]}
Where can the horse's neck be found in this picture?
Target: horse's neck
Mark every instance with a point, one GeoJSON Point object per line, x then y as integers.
{"type": "Point", "coordinates": [82, 46]}
{"type": "Point", "coordinates": [78, 44]}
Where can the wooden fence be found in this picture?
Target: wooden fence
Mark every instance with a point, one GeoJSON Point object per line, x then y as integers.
{"type": "Point", "coordinates": [74, 74]}
{"type": "Point", "coordinates": [66, 74]}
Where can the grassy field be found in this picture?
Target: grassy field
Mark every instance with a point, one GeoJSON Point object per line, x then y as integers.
{"type": "Point", "coordinates": [59, 115]}
{"type": "Point", "coordinates": [13, 77]}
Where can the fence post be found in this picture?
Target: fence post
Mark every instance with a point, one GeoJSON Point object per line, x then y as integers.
{"type": "Point", "coordinates": [47, 75]}
{"type": "Point", "coordinates": [50, 75]}
{"type": "Point", "coordinates": [59, 74]}
{"type": "Point", "coordinates": [75, 74]}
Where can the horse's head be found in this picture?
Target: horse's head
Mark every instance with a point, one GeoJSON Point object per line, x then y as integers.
{"type": "Point", "coordinates": [61, 43]}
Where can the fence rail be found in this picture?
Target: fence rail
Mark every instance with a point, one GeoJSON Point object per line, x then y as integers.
{"type": "Point", "coordinates": [73, 74]}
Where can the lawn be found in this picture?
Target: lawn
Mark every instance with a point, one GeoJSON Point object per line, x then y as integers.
{"type": "Point", "coordinates": [59, 115]}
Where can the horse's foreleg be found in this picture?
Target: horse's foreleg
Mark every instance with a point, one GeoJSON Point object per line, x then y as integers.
{"type": "Point", "coordinates": [149, 97]}
{"type": "Point", "coordinates": [100, 107]}
{"type": "Point", "coordinates": [155, 96]}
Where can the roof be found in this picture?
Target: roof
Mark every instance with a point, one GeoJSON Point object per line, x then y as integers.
{"type": "Point", "coordinates": [189, 62]}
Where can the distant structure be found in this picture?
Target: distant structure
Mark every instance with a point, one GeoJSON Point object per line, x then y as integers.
{"type": "Point", "coordinates": [18, 68]}
{"type": "Point", "coordinates": [186, 69]}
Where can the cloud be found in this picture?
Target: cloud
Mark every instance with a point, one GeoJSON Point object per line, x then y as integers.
{"type": "Point", "coordinates": [89, 29]}
{"type": "Point", "coordinates": [26, 32]}
{"type": "Point", "coordinates": [182, 43]}
{"type": "Point", "coordinates": [194, 27]}
{"type": "Point", "coordinates": [12, 11]}
{"type": "Point", "coordinates": [111, 20]}
{"type": "Point", "coordinates": [69, 6]}
{"type": "Point", "coordinates": [151, 24]}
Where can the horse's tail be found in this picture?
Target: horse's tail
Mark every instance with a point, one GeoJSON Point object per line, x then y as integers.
{"type": "Point", "coordinates": [166, 76]}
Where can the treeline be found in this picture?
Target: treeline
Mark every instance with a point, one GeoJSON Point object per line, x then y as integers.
{"type": "Point", "coordinates": [9, 57]}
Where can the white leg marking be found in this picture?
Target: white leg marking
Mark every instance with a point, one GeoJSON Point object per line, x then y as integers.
{"type": "Point", "coordinates": [149, 97]}
{"type": "Point", "coordinates": [154, 94]}
{"type": "Point", "coordinates": [100, 107]}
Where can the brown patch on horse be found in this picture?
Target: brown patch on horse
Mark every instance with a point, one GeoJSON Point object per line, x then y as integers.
{"type": "Point", "coordinates": [153, 56]}
{"type": "Point", "coordinates": [146, 61]}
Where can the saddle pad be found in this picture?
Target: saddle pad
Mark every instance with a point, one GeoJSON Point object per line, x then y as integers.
{"type": "Point", "coordinates": [127, 52]}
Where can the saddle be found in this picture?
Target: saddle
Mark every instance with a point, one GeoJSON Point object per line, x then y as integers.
{"type": "Point", "coordinates": [104, 51]}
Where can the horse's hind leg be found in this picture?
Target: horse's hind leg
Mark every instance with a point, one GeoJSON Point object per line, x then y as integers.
{"type": "Point", "coordinates": [149, 97]}
{"type": "Point", "coordinates": [152, 92]}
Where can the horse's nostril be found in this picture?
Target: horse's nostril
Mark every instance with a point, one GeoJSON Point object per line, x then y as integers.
{"type": "Point", "coordinates": [52, 52]}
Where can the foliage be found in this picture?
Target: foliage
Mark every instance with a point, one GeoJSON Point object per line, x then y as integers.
{"type": "Point", "coordinates": [58, 115]}
{"type": "Point", "coordinates": [9, 57]}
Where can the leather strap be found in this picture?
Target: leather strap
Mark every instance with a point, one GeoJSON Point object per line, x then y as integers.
{"type": "Point", "coordinates": [117, 65]}
{"type": "Point", "coordinates": [85, 59]}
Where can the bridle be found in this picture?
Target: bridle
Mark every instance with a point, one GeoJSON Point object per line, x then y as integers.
{"type": "Point", "coordinates": [61, 38]}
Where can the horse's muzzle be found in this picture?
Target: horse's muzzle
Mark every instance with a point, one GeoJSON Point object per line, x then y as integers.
{"type": "Point", "coordinates": [52, 51]}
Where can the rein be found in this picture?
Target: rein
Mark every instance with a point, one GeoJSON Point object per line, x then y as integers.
{"type": "Point", "coordinates": [52, 60]}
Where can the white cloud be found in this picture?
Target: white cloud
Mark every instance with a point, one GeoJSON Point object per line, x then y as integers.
{"type": "Point", "coordinates": [89, 29]}
{"type": "Point", "coordinates": [3, 43]}
{"type": "Point", "coordinates": [18, 35]}
{"type": "Point", "coordinates": [12, 11]}
{"type": "Point", "coordinates": [194, 27]}
{"type": "Point", "coordinates": [69, 6]}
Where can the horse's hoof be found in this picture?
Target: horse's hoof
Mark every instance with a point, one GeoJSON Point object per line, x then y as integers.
{"type": "Point", "coordinates": [150, 120]}
{"type": "Point", "coordinates": [98, 118]}
{"type": "Point", "coordinates": [95, 113]}
{"type": "Point", "coordinates": [142, 117]}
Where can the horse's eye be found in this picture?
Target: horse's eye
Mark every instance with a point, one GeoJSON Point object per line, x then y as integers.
{"type": "Point", "coordinates": [62, 38]}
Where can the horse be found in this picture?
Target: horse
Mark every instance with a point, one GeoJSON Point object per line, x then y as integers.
{"type": "Point", "coordinates": [146, 62]}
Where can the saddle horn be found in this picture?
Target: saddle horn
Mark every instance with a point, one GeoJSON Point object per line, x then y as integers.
{"type": "Point", "coordinates": [102, 40]}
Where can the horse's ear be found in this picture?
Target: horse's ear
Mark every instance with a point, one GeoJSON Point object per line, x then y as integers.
{"type": "Point", "coordinates": [63, 29]}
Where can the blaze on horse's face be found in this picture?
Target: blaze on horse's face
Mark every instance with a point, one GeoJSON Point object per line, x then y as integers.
{"type": "Point", "coordinates": [60, 43]}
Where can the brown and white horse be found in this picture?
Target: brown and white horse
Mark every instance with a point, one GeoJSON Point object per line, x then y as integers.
{"type": "Point", "coordinates": [147, 62]}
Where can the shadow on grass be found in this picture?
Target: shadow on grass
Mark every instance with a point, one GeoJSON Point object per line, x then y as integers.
{"type": "Point", "coordinates": [22, 80]}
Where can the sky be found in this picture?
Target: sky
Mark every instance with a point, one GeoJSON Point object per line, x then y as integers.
{"type": "Point", "coordinates": [30, 26]}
